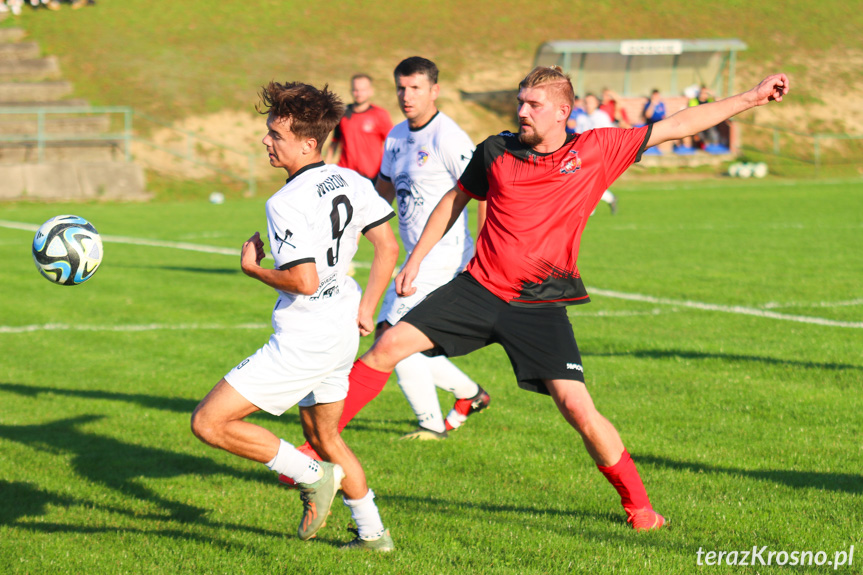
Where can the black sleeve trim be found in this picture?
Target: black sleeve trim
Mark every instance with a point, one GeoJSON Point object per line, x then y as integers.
{"type": "Point", "coordinates": [295, 263]}
{"type": "Point", "coordinates": [372, 225]}
{"type": "Point", "coordinates": [644, 143]}
{"type": "Point", "coordinates": [384, 178]}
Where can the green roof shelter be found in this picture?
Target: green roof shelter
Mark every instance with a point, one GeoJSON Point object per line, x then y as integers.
{"type": "Point", "coordinates": [633, 68]}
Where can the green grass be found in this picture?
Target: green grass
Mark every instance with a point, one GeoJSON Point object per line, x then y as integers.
{"type": "Point", "coordinates": [186, 58]}
{"type": "Point", "coordinates": [746, 429]}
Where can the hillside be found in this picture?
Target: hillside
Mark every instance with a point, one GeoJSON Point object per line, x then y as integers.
{"type": "Point", "coordinates": [200, 63]}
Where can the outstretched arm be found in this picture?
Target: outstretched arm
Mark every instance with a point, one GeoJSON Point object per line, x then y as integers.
{"type": "Point", "coordinates": [383, 264]}
{"type": "Point", "coordinates": [696, 119]}
{"type": "Point", "coordinates": [440, 221]}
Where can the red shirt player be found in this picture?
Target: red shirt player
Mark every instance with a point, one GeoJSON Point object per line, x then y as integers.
{"type": "Point", "coordinates": [540, 187]}
{"type": "Point", "coordinates": [361, 132]}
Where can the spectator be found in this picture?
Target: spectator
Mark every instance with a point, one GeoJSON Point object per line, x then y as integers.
{"type": "Point", "coordinates": [710, 136]}
{"type": "Point", "coordinates": [616, 113]}
{"type": "Point", "coordinates": [358, 140]}
{"type": "Point", "coordinates": [577, 110]}
{"type": "Point", "coordinates": [654, 109]}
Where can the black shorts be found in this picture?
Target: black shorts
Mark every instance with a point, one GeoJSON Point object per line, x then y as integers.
{"type": "Point", "coordinates": [463, 316]}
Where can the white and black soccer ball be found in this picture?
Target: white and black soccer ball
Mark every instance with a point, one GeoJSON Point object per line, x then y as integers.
{"type": "Point", "coordinates": [67, 250]}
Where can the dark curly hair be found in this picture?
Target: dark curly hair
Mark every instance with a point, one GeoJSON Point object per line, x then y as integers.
{"type": "Point", "coordinates": [313, 113]}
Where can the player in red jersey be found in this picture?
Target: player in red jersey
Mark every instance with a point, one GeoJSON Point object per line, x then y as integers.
{"type": "Point", "coordinates": [540, 187]}
{"type": "Point", "coordinates": [358, 139]}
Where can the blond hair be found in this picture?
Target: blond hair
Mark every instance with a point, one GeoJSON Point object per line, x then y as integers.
{"type": "Point", "coordinates": [553, 79]}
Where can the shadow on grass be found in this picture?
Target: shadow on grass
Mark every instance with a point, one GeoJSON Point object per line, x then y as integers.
{"type": "Point", "coordinates": [173, 404]}
{"type": "Point", "coordinates": [25, 500]}
{"type": "Point", "coordinates": [842, 482]}
{"type": "Point", "coordinates": [117, 465]}
{"type": "Point", "coordinates": [729, 357]}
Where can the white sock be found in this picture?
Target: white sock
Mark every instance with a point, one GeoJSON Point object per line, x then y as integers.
{"type": "Point", "coordinates": [365, 514]}
{"type": "Point", "coordinates": [295, 464]}
{"type": "Point", "coordinates": [415, 379]}
{"type": "Point", "coordinates": [450, 378]}
{"type": "Point", "coordinates": [607, 197]}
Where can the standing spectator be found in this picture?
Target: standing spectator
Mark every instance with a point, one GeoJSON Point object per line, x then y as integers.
{"type": "Point", "coordinates": [710, 136]}
{"type": "Point", "coordinates": [654, 109]}
{"type": "Point", "coordinates": [358, 140]}
{"type": "Point", "coordinates": [313, 223]}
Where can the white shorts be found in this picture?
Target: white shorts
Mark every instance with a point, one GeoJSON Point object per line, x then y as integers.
{"type": "Point", "coordinates": [302, 367]}
{"type": "Point", "coordinates": [429, 279]}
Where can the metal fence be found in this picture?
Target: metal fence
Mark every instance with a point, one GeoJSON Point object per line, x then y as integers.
{"type": "Point", "coordinates": [42, 128]}
{"type": "Point", "coordinates": [817, 150]}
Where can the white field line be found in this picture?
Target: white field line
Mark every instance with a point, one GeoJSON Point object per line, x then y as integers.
{"type": "Point", "coordinates": [607, 293]}
{"type": "Point", "coordinates": [726, 308]}
{"type": "Point", "coordinates": [156, 243]}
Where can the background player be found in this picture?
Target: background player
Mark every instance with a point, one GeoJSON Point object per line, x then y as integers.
{"type": "Point", "coordinates": [313, 224]}
{"type": "Point", "coordinates": [423, 158]}
{"type": "Point", "coordinates": [358, 139]}
{"type": "Point", "coordinates": [540, 187]}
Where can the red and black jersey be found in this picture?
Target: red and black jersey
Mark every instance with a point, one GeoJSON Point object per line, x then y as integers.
{"type": "Point", "coordinates": [538, 206]}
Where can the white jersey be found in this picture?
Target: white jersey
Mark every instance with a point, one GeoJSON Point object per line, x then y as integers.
{"type": "Point", "coordinates": [317, 217]}
{"type": "Point", "coordinates": [423, 165]}
{"type": "Point", "coordinates": [598, 119]}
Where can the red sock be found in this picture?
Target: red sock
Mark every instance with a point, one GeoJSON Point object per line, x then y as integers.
{"type": "Point", "coordinates": [365, 385]}
{"type": "Point", "coordinates": [624, 477]}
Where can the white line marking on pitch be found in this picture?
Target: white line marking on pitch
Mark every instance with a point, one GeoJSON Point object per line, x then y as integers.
{"type": "Point", "coordinates": [128, 328]}
{"type": "Point", "coordinates": [726, 308]}
{"type": "Point", "coordinates": [608, 293]}
{"type": "Point", "coordinates": [156, 243]}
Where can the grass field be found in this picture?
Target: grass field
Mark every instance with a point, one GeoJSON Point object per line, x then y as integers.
{"type": "Point", "coordinates": [743, 417]}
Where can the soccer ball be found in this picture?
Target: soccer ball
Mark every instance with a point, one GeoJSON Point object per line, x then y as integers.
{"type": "Point", "coordinates": [759, 170]}
{"type": "Point", "coordinates": [67, 250]}
{"type": "Point", "coordinates": [745, 171]}
{"type": "Point", "coordinates": [734, 169]}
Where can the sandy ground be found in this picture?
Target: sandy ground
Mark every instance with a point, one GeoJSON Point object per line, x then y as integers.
{"type": "Point", "coordinates": [837, 108]}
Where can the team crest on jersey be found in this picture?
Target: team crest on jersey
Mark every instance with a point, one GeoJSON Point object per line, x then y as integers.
{"type": "Point", "coordinates": [368, 126]}
{"type": "Point", "coordinates": [422, 157]}
{"type": "Point", "coordinates": [572, 163]}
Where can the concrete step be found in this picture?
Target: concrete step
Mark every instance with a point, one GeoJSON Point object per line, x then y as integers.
{"type": "Point", "coordinates": [19, 51]}
{"type": "Point", "coordinates": [12, 34]}
{"type": "Point", "coordinates": [31, 69]}
{"type": "Point", "coordinates": [65, 151]}
{"type": "Point", "coordinates": [73, 181]}
{"type": "Point", "coordinates": [34, 91]}
{"type": "Point", "coordinates": [23, 125]}
{"type": "Point", "coordinates": [75, 103]}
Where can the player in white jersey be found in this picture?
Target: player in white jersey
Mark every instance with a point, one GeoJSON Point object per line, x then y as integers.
{"type": "Point", "coordinates": [313, 225]}
{"type": "Point", "coordinates": [423, 158]}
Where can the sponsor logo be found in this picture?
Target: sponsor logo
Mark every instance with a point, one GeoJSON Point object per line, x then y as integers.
{"type": "Point", "coordinates": [575, 366]}
{"type": "Point", "coordinates": [571, 164]}
{"type": "Point", "coordinates": [242, 365]}
{"type": "Point", "coordinates": [422, 157]}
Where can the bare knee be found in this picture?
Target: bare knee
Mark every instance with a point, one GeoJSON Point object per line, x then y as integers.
{"type": "Point", "coordinates": [204, 427]}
